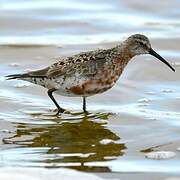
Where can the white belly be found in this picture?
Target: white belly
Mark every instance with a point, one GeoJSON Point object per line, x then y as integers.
{"type": "Point", "coordinates": [64, 92]}
{"type": "Point", "coordinates": [64, 84]}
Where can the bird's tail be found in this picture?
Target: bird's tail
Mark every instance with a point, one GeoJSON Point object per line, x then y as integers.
{"type": "Point", "coordinates": [33, 74]}
{"type": "Point", "coordinates": [17, 76]}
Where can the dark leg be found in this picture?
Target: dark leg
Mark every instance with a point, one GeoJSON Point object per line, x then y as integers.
{"type": "Point", "coordinates": [84, 104]}
{"type": "Point", "coordinates": [60, 110]}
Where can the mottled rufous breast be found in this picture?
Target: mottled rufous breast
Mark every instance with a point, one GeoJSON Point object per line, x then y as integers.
{"type": "Point", "coordinates": [105, 77]}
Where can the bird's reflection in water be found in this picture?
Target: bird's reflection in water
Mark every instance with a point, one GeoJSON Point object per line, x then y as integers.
{"type": "Point", "coordinates": [68, 143]}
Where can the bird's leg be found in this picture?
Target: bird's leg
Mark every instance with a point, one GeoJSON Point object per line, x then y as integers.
{"type": "Point", "coordinates": [84, 104]}
{"type": "Point", "coordinates": [60, 110]}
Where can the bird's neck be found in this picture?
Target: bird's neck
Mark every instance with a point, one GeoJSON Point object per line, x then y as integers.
{"type": "Point", "coordinates": [123, 53]}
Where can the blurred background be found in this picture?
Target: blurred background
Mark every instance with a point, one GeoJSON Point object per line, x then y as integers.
{"type": "Point", "coordinates": [76, 22]}
{"type": "Point", "coordinates": [140, 114]}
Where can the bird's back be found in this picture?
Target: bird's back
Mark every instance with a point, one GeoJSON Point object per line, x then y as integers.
{"type": "Point", "coordinates": [86, 73]}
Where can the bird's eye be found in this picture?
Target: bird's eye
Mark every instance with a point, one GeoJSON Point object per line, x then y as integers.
{"type": "Point", "coordinates": [141, 43]}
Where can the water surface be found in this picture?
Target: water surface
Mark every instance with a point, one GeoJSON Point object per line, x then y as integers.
{"type": "Point", "coordinates": [140, 114]}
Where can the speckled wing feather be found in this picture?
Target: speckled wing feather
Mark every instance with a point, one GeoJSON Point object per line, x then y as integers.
{"type": "Point", "coordinates": [86, 63]}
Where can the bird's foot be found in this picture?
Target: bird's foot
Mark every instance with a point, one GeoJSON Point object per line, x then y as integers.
{"type": "Point", "coordinates": [61, 111]}
{"type": "Point", "coordinates": [86, 112]}
{"type": "Point", "coordinates": [64, 111]}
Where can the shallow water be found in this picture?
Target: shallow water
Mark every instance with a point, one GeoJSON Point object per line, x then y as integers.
{"type": "Point", "coordinates": [140, 114]}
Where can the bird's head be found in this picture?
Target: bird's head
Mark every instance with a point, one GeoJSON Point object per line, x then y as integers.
{"type": "Point", "coordinates": [140, 44]}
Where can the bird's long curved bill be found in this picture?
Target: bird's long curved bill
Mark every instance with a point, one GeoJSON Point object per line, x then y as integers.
{"type": "Point", "coordinates": [155, 54]}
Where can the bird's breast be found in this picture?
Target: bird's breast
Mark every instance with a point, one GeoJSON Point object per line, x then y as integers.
{"type": "Point", "coordinates": [99, 84]}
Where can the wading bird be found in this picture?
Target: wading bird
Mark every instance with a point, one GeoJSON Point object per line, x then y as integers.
{"type": "Point", "coordinates": [89, 73]}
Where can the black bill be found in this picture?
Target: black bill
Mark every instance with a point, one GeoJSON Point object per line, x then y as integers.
{"type": "Point", "coordinates": [155, 54]}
